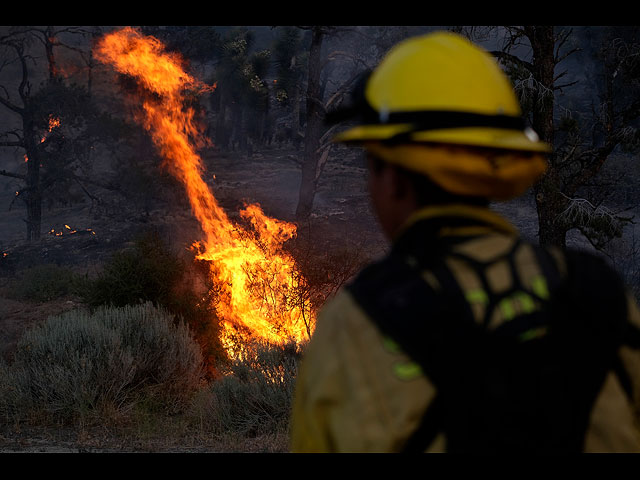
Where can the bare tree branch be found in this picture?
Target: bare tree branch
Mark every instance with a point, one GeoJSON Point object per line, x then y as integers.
{"type": "Point", "coordinates": [570, 52]}
{"type": "Point", "coordinates": [11, 144]}
{"type": "Point", "coordinates": [513, 59]}
{"type": "Point", "coordinates": [565, 85]}
{"type": "Point", "coordinates": [13, 175]}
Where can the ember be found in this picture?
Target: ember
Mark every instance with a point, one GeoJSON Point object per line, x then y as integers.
{"type": "Point", "coordinates": [53, 123]}
{"type": "Point", "coordinates": [258, 280]}
{"type": "Point", "coordinates": [67, 230]}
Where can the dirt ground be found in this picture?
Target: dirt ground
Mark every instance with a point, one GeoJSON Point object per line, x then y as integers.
{"type": "Point", "coordinates": [98, 440]}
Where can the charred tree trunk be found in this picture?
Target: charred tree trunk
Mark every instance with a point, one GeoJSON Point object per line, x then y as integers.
{"type": "Point", "coordinates": [313, 130]}
{"type": "Point", "coordinates": [32, 191]}
{"type": "Point", "coordinates": [221, 134]}
{"type": "Point", "coordinates": [241, 129]}
{"type": "Point", "coordinates": [295, 112]}
{"type": "Point", "coordinates": [31, 194]}
{"type": "Point", "coordinates": [549, 200]}
{"type": "Point", "coordinates": [550, 204]}
{"type": "Point", "coordinates": [49, 42]}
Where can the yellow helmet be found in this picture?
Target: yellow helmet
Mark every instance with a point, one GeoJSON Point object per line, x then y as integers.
{"type": "Point", "coordinates": [441, 91]}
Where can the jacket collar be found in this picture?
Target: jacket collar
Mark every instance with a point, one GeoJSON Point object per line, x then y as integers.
{"type": "Point", "coordinates": [452, 220]}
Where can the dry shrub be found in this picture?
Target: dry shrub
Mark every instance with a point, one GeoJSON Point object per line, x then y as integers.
{"type": "Point", "coordinates": [254, 396]}
{"type": "Point", "coordinates": [325, 270]}
{"type": "Point", "coordinates": [82, 365]}
{"type": "Point", "coordinates": [151, 271]}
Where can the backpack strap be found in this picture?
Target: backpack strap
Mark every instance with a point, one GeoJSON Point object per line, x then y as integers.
{"type": "Point", "coordinates": [424, 329]}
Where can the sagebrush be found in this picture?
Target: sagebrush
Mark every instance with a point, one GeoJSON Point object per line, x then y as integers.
{"type": "Point", "coordinates": [254, 396]}
{"type": "Point", "coordinates": [81, 364]}
{"type": "Point", "coordinates": [151, 271]}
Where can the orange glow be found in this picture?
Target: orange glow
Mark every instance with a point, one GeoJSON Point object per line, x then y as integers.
{"type": "Point", "coordinates": [70, 232]}
{"type": "Point", "coordinates": [256, 277]}
{"type": "Point", "coordinates": [53, 123]}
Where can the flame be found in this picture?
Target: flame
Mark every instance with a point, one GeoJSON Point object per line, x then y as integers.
{"type": "Point", "coordinates": [257, 278]}
{"type": "Point", "coordinates": [54, 122]}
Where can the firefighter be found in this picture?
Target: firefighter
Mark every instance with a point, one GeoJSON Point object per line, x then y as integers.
{"type": "Point", "coordinates": [464, 337]}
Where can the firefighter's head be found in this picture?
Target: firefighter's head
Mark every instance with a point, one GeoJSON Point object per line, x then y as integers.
{"type": "Point", "coordinates": [439, 107]}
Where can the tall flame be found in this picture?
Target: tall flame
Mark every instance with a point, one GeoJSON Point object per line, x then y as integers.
{"type": "Point", "coordinates": [258, 279]}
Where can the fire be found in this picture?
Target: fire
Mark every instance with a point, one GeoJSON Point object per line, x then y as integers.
{"type": "Point", "coordinates": [70, 231]}
{"type": "Point", "coordinates": [54, 122]}
{"type": "Point", "coordinates": [258, 279]}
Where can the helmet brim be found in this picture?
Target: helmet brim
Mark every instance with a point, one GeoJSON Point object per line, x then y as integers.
{"type": "Point", "coordinates": [503, 139]}
{"type": "Point", "coordinates": [498, 174]}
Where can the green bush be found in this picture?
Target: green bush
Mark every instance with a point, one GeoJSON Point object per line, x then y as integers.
{"type": "Point", "coordinates": [80, 363]}
{"type": "Point", "coordinates": [254, 396]}
{"type": "Point", "coordinates": [46, 282]}
{"type": "Point", "coordinates": [146, 272]}
{"type": "Point", "coordinates": [152, 272]}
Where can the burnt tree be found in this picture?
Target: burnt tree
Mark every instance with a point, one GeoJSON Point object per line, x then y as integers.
{"type": "Point", "coordinates": [317, 136]}
{"type": "Point", "coordinates": [531, 55]}
{"type": "Point", "coordinates": [315, 124]}
{"type": "Point", "coordinates": [39, 116]}
{"type": "Point", "coordinates": [289, 59]}
{"type": "Point", "coordinates": [241, 98]}
{"type": "Point", "coordinates": [27, 139]}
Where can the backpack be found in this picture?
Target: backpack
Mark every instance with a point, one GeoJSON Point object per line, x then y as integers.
{"type": "Point", "coordinates": [501, 390]}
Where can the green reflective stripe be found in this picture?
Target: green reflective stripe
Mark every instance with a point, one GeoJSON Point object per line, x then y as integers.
{"type": "Point", "coordinates": [533, 333]}
{"type": "Point", "coordinates": [477, 296]}
{"type": "Point", "coordinates": [391, 345]}
{"type": "Point", "coordinates": [527, 304]}
{"type": "Point", "coordinates": [539, 286]}
{"type": "Point", "coordinates": [407, 371]}
{"type": "Point", "coordinates": [508, 312]}
{"type": "Point", "coordinates": [519, 302]}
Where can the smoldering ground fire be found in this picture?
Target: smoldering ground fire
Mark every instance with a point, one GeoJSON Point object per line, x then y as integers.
{"type": "Point", "coordinates": [257, 278]}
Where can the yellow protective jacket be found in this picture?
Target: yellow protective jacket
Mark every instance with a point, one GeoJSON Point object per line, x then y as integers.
{"type": "Point", "coordinates": [359, 391]}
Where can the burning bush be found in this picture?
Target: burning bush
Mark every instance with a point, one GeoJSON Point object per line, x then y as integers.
{"type": "Point", "coordinates": [247, 269]}
{"type": "Point", "coordinates": [78, 364]}
{"type": "Point", "coordinates": [152, 272]}
{"type": "Point", "coordinates": [255, 397]}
